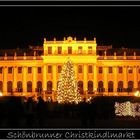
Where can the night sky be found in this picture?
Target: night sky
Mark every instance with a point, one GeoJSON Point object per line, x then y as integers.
{"type": "Point", "coordinates": [23, 26]}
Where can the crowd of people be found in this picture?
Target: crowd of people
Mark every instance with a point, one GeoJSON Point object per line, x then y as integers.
{"type": "Point", "coordinates": [17, 112]}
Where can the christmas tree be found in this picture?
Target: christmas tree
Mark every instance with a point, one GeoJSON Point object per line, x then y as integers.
{"type": "Point", "coordinates": [67, 90]}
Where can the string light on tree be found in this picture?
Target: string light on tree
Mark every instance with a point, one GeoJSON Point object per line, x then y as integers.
{"type": "Point", "coordinates": [127, 109]}
{"type": "Point", "coordinates": [67, 90]}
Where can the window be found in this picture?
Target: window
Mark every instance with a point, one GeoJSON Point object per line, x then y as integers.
{"type": "Point", "coordinates": [39, 86]}
{"type": "Point", "coordinates": [29, 86]}
{"type": "Point", "coordinates": [69, 50]}
{"type": "Point", "coordinates": [80, 69]}
{"type": "Point", "coordinates": [90, 69]}
{"type": "Point", "coordinates": [130, 70]}
{"type": "Point", "coordinates": [100, 86]}
{"type": "Point", "coordinates": [1, 86]}
{"type": "Point", "coordinates": [19, 69]}
{"type": "Point", "coordinates": [0, 69]}
{"type": "Point", "coordinates": [100, 70]}
{"type": "Point", "coordinates": [80, 50]}
{"type": "Point", "coordinates": [39, 69]}
{"type": "Point", "coordinates": [110, 86]}
{"type": "Point", "coordinates": [19, 86]}
{"type": "Point", "coordinates": [130, 86]}
{"type": "Point", "coordinates": [120, 69]}
{"type": "Point", "coordinates": [139, 70]}
{"type": "Point", "coordinates": [110, 69]}
{"type": "Point", "coordinates": [59, 50]}
{"type": "Point", "coordinates": [90, 87]}
{"type": "Point", "coordinates": [120, 86]}
{"type": "Point", "coordinates": [49, 69]}
{"type": "Point", "coordinates": [29, 69]}
{"type": "Point", "coordinates": [49, 87]}
{"type": "Point", "coordinates": [59, 69]}
{"type": "Point", "coordinates": [80, 87]}
{"type": "Point", "coordinates": [90, 50]}
{"type": "Point", "coordinates": [9, 86]}
{"type": "Point", "coordinates": [10, 70]}
{"type": "Point", "coordinates": [49, 50]}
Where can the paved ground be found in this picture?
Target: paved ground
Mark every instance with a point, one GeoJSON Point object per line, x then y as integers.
{"type": "Point", "coordinates": [76, 123]}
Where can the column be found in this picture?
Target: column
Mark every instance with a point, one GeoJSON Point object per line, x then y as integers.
{"type": "Point", "coordinates": [15, 78]}
{"type": "Point", "coordinates": [44, 77]}
{"type": "Point", "coordinates": [54, 78]}
{"type": "Point", "coordinates": [5, 80]}
{"type": "Point", "coordinates": [95, 78]}
{"type": "Point", "coordinates": [34, 78]}
{"type": "Point", "coordinates": [115, 79]}
{"type": "Point", "coordinates": [85, 77]}
{"type": "Point", "coordinates": [105, 79]}
{"type": "Point", "coordinates": [135, 78]}
{"type": "Point", "coordinates": [125, 77]}
{"type": "Point", "coordinates": [24, 79]}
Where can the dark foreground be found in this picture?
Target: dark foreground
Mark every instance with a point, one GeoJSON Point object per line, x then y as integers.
{"type": "Point", "coordinates": [15, 112]}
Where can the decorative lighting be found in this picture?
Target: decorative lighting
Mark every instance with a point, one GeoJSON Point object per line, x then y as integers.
{"type": "Point", "coordinates": [89, 99]}
{"type": "Point", "coordinates": [1, 93]}
{"type": "Point", "coordinates": [137, 93]}
{"type": "Point", "coordinates": [127, 109]}
{"type": "Point", "coordinates": [67, 90]}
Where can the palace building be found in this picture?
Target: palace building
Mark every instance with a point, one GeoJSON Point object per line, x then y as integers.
{"type": "Point", "coordinates": [100, 70]}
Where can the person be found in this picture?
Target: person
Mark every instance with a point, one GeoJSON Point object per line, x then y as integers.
{"type": "Point", "coordinates": [30, 112]}
{"type": "Point", "coordinates": [84, 113]}
{"type": "Point", "coordinates": [41, 111]}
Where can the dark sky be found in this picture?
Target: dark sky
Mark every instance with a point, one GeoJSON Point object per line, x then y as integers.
{"type": "Point", "coordinates": [23, 26]}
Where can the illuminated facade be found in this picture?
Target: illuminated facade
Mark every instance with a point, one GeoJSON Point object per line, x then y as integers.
{"type": "Point", "coordinates": [99, 70]}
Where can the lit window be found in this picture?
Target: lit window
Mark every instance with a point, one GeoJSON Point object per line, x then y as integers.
{"type": "Point", "coordinates": [49, 50]}
{"type": "Point", "coordinates": [49, 69]}
{"type": "Point", "coordinates": [59, 69]}
{"type": "Point", "coordinates": [110, 69]}
{"type": "Point", "coordinates": [80, 50]}
{"type": "Point", "coordinates": [130, 70]}
{"type": "Point", "coordinates": [100, 70]}
{"type": "Point", "coordinates": [80, 69]}
{"type": "Point", "coordinates": [29, 69]}
{"type": "Point", "coordinates": [59, 50]}
{"type": "Point", "coordinates": [69, 50]}
{"type": "Point", "coordinates": [39, 69]}
{"type": "Point", "coordinates": [90, 69]}
{"type": "Point", "coordinates": [90, 50]}
{"type": "Point", "coordinates": [10, 70]}
{"type": "Point", "coordinates": [0, 69]}
{"type": "Point", "coordinates": [19, 69]}
{"type": "Point", "coordinates": [120, 69]}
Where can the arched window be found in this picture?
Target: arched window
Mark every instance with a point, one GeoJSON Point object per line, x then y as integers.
{"type": "Point", "coordinates": [110, 86]}
{"type": "Point", "coordinates": [29, 86]}
{"type": "Point", "coordinates": [80, 87]}
{"type": "Point", "coordinates": [139, 85]}
{"type": "Point", "coordinates": [39, 86]}
{"type": "Point", "coordinates": [130, 86]}
{"type": "Point", "coordinates": [9, 86]}
{"type": "Point", "coordinates": [19, 86]}
{"type": "Point", "coordinates": [90, 87]}
{"type": "Point", "coordinates": [120, 86]}
{"type": "Point", "coordinates": [100, 86]}
{"type": "Point", "coordinates": [49, 87]}
{"type": "Point", "coordinates": [1, 86]}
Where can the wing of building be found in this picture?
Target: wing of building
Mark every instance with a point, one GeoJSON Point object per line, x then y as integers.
{"type": "Point", "coordinates": [100, 70]}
